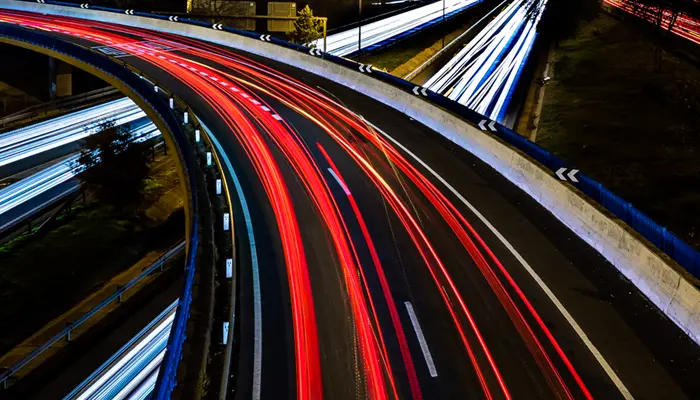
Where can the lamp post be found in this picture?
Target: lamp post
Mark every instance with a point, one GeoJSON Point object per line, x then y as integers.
{"type": "Point", "coordinates": [359, 30]}
{"type": "Point", "coordinates": [443, 23]}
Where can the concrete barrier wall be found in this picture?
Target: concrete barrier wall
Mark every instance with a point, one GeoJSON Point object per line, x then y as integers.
{"type": "Point", "coordinates": [663, 281]}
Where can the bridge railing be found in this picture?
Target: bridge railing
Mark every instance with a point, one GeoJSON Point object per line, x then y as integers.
{"type": "Point", "coordinates": [65, 333]}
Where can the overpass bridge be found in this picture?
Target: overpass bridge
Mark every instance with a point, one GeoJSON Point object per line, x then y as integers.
{"type": "Point", "coordinates": [354, 235]}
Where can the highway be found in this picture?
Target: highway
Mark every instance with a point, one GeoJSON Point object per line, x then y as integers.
{"type": "Point", "coordinates": [38, 138]}
{"type": "Point", "coordinates": [346, 42]}
{"type": "Point", "coordinates": [132, 371]}
{"type": "Point", "coordinates": [684, 26]}
{"type": "Point", "coordinates": [42, 188]}
{"type": "Point", "coordinates": [484, 73]}
{"type": "Point", "coordinates": [388, 263]}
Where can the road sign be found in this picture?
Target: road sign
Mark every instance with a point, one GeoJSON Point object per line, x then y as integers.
{"type": "Point", "coordinates": [281, 9]}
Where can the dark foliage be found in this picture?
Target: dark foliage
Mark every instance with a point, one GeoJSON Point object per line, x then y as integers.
{"type": "Point", "coordinates": [562, 18]}
{"type": "Point", "coordinates": [116, 168]}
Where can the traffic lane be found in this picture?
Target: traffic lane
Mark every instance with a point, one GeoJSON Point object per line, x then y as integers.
{"type": "Point", "coordinates": [321, 278]}
{"type": "Point", "coordinates": [588, 286]}
{"type": "Point", "coordinates": [42, 160]}
{"type": "Point", "coordinates": [411, 281]}
{"type": "Point", "coordinates": [34, 206]}
{"type": "Point", "coordinates": [336, 341]}
{"type": "Point", "coordinates": [277, 355]}
{"type": "Point", "coordinates": [522, 359]}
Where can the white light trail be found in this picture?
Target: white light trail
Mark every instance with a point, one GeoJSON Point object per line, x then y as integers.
{"type": "Point", "coordinates": [346, 42]}
{"type": "Point", "coordinates": [50, 177]}
{"type": "Point", "coordinates": [34, 139]}
{"type": "Point", "coordinates": [483, 74]}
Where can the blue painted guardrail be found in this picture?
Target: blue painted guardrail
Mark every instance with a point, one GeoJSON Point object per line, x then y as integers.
{"type": "Point", "coordinates": [173, 354]}
{"type": "Point", "coordinates": [674, 247]}
{"type": "Point", "coordinates": [65, 332]}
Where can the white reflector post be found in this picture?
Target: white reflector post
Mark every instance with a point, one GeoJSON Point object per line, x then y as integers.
{"type": "Point", "coordinates": [229, 268]}
{"type": "Point", "coordinates": [186, 117]}
{"type": "Point", "coordinates": [218, 186]}
{"type": "Point", "coordinates": [172, 103]}
{"type": "Point", "coordinates": [155, 88]}
{"type": "Point", "coordinates": [208, 158]}
{"type": "Point", "coordinates": [225, 332]}
{"type": "Point", "coordinates": [227, 221]}
{"type": "Point", "coordinates": [196, 135]}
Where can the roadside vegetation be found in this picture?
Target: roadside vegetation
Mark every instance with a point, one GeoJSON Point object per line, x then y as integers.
{"type": "Point", "coordinates": [43, 274]}
{"type": "Point", "coordinates": [623, 105]}
{"type": "Point", "coordinates": [307, 28]}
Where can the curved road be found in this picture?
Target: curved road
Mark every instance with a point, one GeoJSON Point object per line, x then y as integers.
{"type": "Point", "coordinates": [391, 264]}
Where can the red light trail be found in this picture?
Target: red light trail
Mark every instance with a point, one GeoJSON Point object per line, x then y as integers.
{"type": "Point", "coordinates": [255, 125]}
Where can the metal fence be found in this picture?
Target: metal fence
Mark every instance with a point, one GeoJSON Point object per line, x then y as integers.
{"type": "Point", "coordinates": [66, 332]}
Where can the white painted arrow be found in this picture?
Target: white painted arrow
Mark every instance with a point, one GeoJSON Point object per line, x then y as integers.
{"type": "Point", "coordinates": [492, 125]}
{"type": "Point", "coordinates": [572, 175]}
{"type": "Point", "coordinates": [424, 91]}
{"type": "Point", "coordinates": [481, 124]}
{"type": "Point", "coordinates": [560, 173]}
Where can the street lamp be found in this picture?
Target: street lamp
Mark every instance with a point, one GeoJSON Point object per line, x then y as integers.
{"type": "Point", "coordinates": [359, 30]}
{"type": "Point", "coordinates": [443, 23]}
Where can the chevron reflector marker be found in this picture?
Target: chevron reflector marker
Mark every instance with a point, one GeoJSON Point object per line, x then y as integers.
{"type": "Point", "coordinates": [420, 91]}
{"type": "Point", "coordinates": [366, 68]}
{"type": "Point", "coordinates": [491, 125]}
{"type": "Point", "coordinates": [567, 175]}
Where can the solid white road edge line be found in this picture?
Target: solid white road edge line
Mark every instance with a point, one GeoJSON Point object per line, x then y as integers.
{"type": "Point", "coordinates": [257, 301]}
{"type": "Point", "coordinates": [552, 297]}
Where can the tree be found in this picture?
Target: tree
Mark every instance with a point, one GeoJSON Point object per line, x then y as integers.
{"type": "Point", "coordinates": [115, 168]}
{"type": "Point", "coordinates": [307, 28]}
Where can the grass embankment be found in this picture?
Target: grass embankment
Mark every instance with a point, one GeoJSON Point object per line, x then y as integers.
{"type": "Point", "coordinates": [42, 278]}
{"type": "Point", "coordinates": [612, 112]}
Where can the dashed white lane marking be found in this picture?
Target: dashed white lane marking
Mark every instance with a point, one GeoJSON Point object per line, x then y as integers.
{"type": "Point", "coordinates": [421, 339]}
{"type": "Point", "coordinates": [552, 297]}
{"type": "Point", "coordinates": [342, 185]}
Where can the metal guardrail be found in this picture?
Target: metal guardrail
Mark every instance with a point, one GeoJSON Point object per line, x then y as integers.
{"type": "Point", "coordinates": [65, 332]}
{"type": "Point", "coordinates": [40, 110]}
